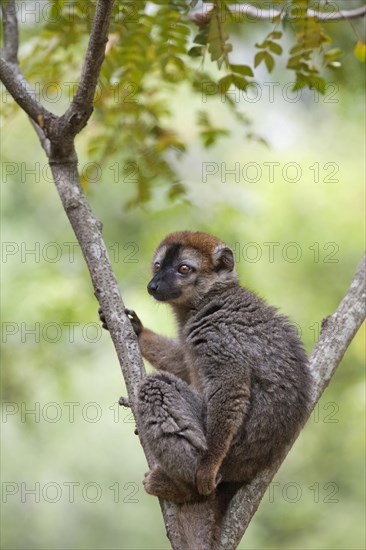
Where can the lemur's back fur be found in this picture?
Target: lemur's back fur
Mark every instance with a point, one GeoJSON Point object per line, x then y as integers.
{"type": "Point", "coordinates": [263, 359]}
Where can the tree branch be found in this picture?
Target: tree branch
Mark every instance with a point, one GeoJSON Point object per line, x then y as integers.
{"type": "Point", "coordinates": [11, 34]}
{"type": "Point", "coordinates": [254, 13]}
{"type": "Point", "coordinates": [45, 142]}
{"type": "Point", "coordinates": [82, 103]}
{"type": "Point", "coordinates": [11, 75]}
{"type": "Point", "coordinates": [62, 129]}
{"type": "Point", "coordinates": [338, 331]}
{"type": "Point", "coordinates": [87, 230]}
{"type": "Point", "coordinates": [336, 335]}
{"type": "Point", "coordinates": [95, 53]}
{"type": "Point", "coordinates": [20, 89]}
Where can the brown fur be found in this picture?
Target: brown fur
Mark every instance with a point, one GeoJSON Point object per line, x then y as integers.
{"type": "Point", "coordinates": [233, 388]}
{"type": "Point", "coordinates": [202, 242]}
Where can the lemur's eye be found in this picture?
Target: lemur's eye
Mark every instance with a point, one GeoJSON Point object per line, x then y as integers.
{"type": "Point", "coordinates": [156, 267]}
{"type": "Point", "coordinates": [184, 269]}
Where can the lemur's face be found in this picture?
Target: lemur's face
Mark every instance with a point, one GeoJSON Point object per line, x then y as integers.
{"type": "Point", "coordinates": [186, 265]}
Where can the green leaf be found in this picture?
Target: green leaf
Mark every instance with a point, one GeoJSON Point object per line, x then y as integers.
{"type": "Point", "coordinates": [225, 83]}
{"type": "Point", "coordinates": [242, 69]}
{"type": "Point", "coordinates": [296, 61]}
{"type": "Point", "coordinates": [267, 58]}
{"type": "Point", "coordinates": [263, 45]}
{"type": "Point", "coordinates": [296, 49]}
{"type": "Point", "coordinates": [240, 82]}
{"type": "Point", "coordinates": [334, 53]}
{"type": "Point", "coordinates": [302, 80]}
{"type": "Point", "coordinates": [275, 48]}
{"type": "Point", "coordinates": [202, 37]}
{"type": "Point", "coordinates": [270, 62]}
{"type": "Point", "coordinates": [196, 51]}
{"type": "Point", "coordinates": [260, 56]}
{"type": "Point", "coordinates": [215, 50]}
{"type": "Point", "coordinates": [214, 29]}
{"type": "Point", "coordinates": [275, 35]}
{"type": "Point", "coordinates": [360, 51]}
{"type": "Point", "coordinates": [317, 83]}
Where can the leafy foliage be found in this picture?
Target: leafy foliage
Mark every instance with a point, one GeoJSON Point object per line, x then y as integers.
{"type": "Point", "coordinates": [154, 49]}
{"type": "Point", "coordinates": [269, 47]}
{"type": "Point", "coordinates": [310, 37]}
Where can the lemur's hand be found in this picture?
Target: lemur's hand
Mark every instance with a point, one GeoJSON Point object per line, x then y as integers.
{"type": "Point", "coordinates": [131, 314]}
{"type": "Point", "coordinates": [135, 321]}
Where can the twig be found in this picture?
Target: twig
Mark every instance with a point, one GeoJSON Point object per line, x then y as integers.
{"type": "Point", "coordinates": [11, 75]}
{"type": "Point", "coordinates": [82, 103]}
{"type": "Point", "coordinates": [254, 13]}
{"type": "Point", "coordinates": [20, 89]}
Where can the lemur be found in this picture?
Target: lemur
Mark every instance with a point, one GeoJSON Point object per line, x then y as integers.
{"type": "Point", "coordinates": [231, 390]}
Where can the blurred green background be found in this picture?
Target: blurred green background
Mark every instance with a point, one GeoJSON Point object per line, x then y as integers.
{"type": "Point", "coordinates": [294, 215]}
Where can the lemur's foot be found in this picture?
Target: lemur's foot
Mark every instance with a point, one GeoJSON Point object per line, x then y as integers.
{"type": "Point", "coordinates": [124, 402]}
{"type": "Point", "coordinates": [156, 482]}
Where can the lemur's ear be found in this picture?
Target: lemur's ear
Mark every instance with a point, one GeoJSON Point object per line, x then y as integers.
{"type": "Point", "coordinates": [224, 259]}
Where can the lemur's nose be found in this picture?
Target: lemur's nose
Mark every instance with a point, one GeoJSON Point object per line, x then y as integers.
{"type": "Point", "coordinates": [152, 286]}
